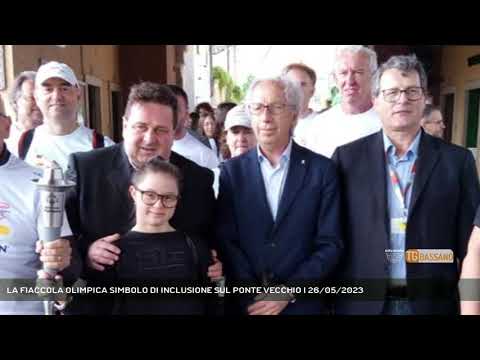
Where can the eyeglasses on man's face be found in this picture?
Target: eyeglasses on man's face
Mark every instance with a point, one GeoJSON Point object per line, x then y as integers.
{"type": "Point", "coordinates": [151, 197]}
{"type": "Point", "coordinates": [436, 122]}
{"type": "Point", "coordinates": [413, 93]}
{"type": "Point", "coordinates": [274, 109]}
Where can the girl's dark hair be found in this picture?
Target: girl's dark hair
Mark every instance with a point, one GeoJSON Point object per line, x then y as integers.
{"type": "Point", "coordinates": [157, 166]}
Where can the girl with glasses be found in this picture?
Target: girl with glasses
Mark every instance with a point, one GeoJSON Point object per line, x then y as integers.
{"type": "Point", "coordinates": [154, 253]}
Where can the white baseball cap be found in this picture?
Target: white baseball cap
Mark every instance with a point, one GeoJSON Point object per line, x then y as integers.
{"type": "Point", "coordinates": [237, 116]}
{"type": "Point", "coordinates": [55, 69]}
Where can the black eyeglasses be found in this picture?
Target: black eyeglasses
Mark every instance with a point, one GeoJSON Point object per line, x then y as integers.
{"type": "Point", "coordinates": [275, 108]}
{"type": "Point", "coordinates": [151, 197]}
{"type": "Point", "coordinates": [413, 93]}
{"type": "Point", "coordinates": [437, 122]}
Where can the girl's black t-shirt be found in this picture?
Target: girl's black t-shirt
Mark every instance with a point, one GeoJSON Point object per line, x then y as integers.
{"type": "Point", "coordinates": [160, 259]}
{"type": "Point", "coordinates": [164, 256]}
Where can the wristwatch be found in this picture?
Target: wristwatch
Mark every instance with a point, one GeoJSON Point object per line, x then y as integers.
{"type": "Point", "coordinates": [291, 297]}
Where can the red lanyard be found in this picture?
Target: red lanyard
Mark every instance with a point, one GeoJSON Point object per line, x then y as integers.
{"type": "Point", "coordinates": [401, 194]}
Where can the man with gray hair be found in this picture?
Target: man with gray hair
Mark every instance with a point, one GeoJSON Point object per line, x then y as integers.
{"type": "Point", "coordinates": [410, 201]}
{"type": "Point", "coordinates": [432, 121]}
{"type": "Point", "coordinates": [354, 117]}
{"type": "Point", "coordinates": [278, 218]}
{"type": "Point", "coordinates": [27, 113]}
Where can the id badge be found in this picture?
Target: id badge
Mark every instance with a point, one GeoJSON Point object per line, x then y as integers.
{"type": "Point", "coordinates": [398, 225]}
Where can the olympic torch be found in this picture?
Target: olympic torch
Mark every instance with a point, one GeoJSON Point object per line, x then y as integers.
{"type": "Point", "coordinates": [52, 188]}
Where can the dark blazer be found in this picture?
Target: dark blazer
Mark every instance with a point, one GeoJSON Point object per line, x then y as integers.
{"type": "Point", "coordinates": [100, 204]}
{"type": "Point", "coordinates": [442, 208]}
{"type": "Point", "coordinates": [303, 244]}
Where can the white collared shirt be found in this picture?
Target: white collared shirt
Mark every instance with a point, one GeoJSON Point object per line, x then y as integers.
{"type": "Point", "coordinates": [193, 149]}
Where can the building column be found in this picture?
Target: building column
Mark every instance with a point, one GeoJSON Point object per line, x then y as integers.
{"type": "Point", "coordinates": [171, 64]}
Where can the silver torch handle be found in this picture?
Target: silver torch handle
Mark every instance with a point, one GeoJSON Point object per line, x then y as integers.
{"type": "Point", "coordinates": [52, 188]}
{"type": "Point", "coordinates": [52, 212]}
{"type": "Point", "coordinates": [53, 203]}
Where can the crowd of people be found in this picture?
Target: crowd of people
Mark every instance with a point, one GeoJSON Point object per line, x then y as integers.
{"type": "Point", "coordinates": [266, 193]}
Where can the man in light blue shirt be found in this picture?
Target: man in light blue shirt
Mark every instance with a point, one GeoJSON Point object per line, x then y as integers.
{"type": "Point", "coordinates": [402, 167]}
{"type": "Point", "coordinates": [274, 176]}
{"type": "Point", "coordinates": [278, 221]}
{"type": "Point", "coordinates": [410, 201]}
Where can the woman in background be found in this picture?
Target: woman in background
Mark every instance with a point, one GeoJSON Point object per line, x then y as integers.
{"type": "Point", "coordinates": [203, 109]}
{"type": "Point", "coordinates": [209, 129]}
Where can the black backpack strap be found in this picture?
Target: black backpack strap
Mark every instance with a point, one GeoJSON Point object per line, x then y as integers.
{"type": "Point", "coordinates": [98, 140]}
{"type": "Point", "coordinates": [200, 256]}
{"type": "Point", "coordinates": [194, 251]}
{"type": "Point", "coordinates": [24, 143]}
